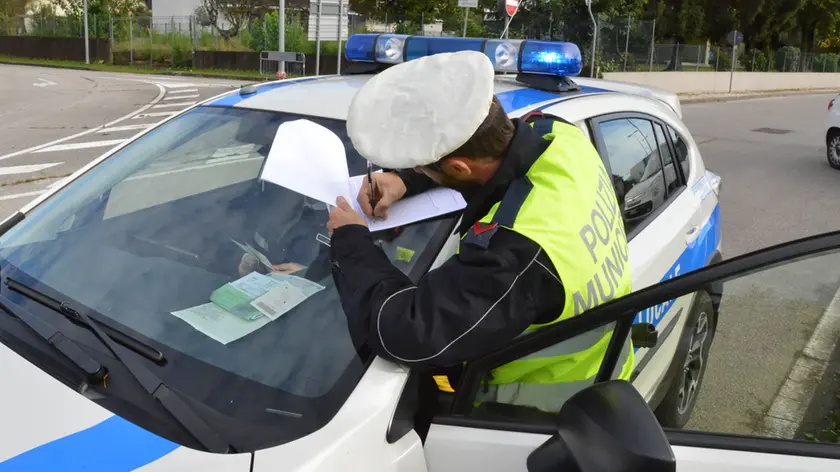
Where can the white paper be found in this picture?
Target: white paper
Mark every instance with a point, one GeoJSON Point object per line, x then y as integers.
{"type": "Point", "coordinates": [255, 284]}
{"type": "Point", "coordinates": [218, 324]}
{"type": "Point", "coordinates": [429, 204]}
{"type": "Point", "coordinates": [279, 300]}
{"type": "Point", "coordinates": [306, 286]}
{"type": "Point", "coordinates": [309, 159]}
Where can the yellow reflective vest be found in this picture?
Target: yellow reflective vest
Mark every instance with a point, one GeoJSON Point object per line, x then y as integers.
{"type": "Point", "coordinates": [566, 203]}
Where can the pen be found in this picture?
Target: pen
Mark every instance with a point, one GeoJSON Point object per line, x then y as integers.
{"type": "Point", "coordinates": [370, 182]}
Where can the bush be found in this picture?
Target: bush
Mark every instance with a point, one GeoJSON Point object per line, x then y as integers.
{"type": "Point", "coordinates": [787, 59]}
{"type": "Point", "coordinates": [754, 60]}
{"type": "Point", "coordinates": [723, 59]}
{"type": "Point", "coordinates": [826, 63]}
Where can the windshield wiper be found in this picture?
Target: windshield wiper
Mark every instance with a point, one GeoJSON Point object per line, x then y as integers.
{"type": "Point", "coordinates": [49, 333]}
{"type": "Point", "coordinates": [117, 336]}
{"type": "Point", "coordinates": [168, 398]}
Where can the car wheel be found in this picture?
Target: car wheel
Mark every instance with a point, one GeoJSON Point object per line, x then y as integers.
{"type": "Point", "coordinates": [691, 358]}
{"type": "Point", "coordinates": [832, 144]}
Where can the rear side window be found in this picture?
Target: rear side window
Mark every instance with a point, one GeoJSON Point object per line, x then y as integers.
{"type": "Point", "coordinates": [634, 161]}
{"type": "Point", "coordinates": [672, 175]}
{"type": "Point", "coordinates": [681, 150]}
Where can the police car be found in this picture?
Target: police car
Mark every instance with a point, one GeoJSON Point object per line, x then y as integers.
{"type": "Point", "coordinates": [123, 346]}
{"type": "Point", "coordinates": [832, 133]}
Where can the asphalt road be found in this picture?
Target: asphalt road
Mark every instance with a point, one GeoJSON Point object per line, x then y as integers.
{"type": "Point", "coordinates": [776, 187]}
{"type": "Point", "coordinates": [54, 121]}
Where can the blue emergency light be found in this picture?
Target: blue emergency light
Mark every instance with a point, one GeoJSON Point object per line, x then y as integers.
{"type": "Point", "coordinates": [520, 56]}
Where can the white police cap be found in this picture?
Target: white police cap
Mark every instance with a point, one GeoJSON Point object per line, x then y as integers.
{"type": "Point", "coordinates": [417, 112]}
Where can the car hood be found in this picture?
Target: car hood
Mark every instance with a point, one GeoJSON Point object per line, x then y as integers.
{"type": "Point", "coordinates": [45, 423]}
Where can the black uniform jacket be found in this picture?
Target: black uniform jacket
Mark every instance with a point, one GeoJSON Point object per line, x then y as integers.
{"type": "Point", "coordinates": [476, 302]}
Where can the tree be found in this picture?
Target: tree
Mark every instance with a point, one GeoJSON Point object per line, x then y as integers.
{"type": "Point", "coordinates": [98, 7]}
{"type": "Point", "coordinates": [681, 21]}
{"type": "Point", "coordinates": [228, 16]}
{"type": "Point", "coordinates": [12, 13]}
{"type": "Point", "coordinates": [816, 16]}
{"type": "Point", "coordinates": [11, 8]}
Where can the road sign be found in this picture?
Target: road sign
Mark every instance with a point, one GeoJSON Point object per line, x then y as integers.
{"type": "Point", "coordinates": [511, 6]}
{"type": "Point", "coordinates": [329, 21]}
{"type": "Point", "coordinates": [468, 3]}
{"type": "Point", "coordinates": [735, 38]}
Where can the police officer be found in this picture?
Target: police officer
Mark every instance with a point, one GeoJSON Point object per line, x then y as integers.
{"type": "Point", "coordinates": [541, 235]}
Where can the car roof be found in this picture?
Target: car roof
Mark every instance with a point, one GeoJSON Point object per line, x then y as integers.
{"type": "Point", "coordinates": [330, 96]}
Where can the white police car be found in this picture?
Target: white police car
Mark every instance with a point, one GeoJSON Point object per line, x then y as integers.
{"type": "Point", "coordinates": [832, 133]}
{"type": "Point", "coordinates": [116, 354]}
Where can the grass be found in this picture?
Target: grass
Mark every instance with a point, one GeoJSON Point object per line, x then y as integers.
{"type": "Point", "coordinates": [105, 67]}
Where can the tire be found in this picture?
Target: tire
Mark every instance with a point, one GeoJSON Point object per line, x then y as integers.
{"type": "Point", "coordinates": [690, 363]}
{"type": "Point", "coordinates": [832, 148]}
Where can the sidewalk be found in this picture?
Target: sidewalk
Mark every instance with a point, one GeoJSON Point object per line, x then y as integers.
{"type": "Point", "coordinates": [725, 97]}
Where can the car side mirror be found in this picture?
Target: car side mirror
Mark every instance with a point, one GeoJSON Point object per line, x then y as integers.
{"type": "Point", "coordinates": [607, 427]}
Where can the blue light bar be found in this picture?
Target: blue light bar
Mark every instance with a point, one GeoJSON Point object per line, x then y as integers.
{"type": "Point", "coordinates": [361, 48]}
{"type": "Point", "coordinates": [524, 56]}
{"type": "Point", "coordinates": [390, 47]}
{"type": "Point", "coordinates": [552, 58]}
{"type": "Point", "coordinates": [420, 46]}
{"type": "Point", "coordinates": [504, 54]}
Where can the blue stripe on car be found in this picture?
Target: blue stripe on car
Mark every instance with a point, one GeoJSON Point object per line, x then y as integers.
{"type": "Point", "coordinates": [512, 100]}
{"type": "Point", "coordinates": [114, 445]}
{"type": "Point", "coordinates": [697, 255]}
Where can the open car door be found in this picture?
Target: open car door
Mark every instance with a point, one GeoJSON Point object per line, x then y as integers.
{"type": "Point", "coordinates": [765, 405]}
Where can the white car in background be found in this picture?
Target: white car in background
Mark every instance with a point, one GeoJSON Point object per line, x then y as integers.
{"type": "Point", "coordinates": [832, 133]}
{"type": "Point", "coordinates": [121, 359]}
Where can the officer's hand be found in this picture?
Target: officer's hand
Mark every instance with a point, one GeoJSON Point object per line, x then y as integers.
{"type": "Point", "coordinates": [388, 187]}
{"type": "Point", "coordinates": [343, 215]}
{"type": "Point", "coordinates": [287, 268]}
{"type": "Point", "coordinates": [248, 264]}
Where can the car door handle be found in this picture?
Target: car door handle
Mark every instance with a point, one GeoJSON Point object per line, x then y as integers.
{"type": "Point", "coordinates": [692, 234]}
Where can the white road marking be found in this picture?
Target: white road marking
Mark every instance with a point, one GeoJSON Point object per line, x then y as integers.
{"type": "Point", "coordinates": [27, 168]}
{"type": "Point", "coordinates": [173, 105]}
{"type": "Point", "coordinates": [180, 97]}
{"type": "Point", "coordinates": [788, 408]}
{"type": "Point", "coordinates": [43, 83]}
{"type": "Point", "coordinates": [21, 195]}
{"type": "Point", "coordinates": [171, 85]}
{"type": "Point", "coordinates": [173, 92]}
{"type": "Point", "coordinates": [147, 115]}
{"type": "Point", "coordinates": [74, 146]}
{"type": "Point", "coordinates": [89, 131]}
{"type": "Point", "coordinates": [126, 128]}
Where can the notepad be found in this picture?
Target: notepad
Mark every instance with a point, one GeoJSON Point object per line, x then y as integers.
{"type": "Point", "coordinates": [310, 159]}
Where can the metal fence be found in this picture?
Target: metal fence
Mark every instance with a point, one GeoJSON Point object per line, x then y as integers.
{"type": "Point", "coordinates": [624, 44]}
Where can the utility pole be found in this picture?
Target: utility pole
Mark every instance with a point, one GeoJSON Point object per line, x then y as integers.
{"type": "Point", "coordinates": [281, 29]}
{"type": "Point", "coordinates": [87, 40]}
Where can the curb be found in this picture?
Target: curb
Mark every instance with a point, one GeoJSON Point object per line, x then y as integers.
{"type": "Point", "coordinates": [788, 408]}
{"type": "Point", "coordinates": [685, 99]}
{"type": "Point", "coordinates": [142, 71]}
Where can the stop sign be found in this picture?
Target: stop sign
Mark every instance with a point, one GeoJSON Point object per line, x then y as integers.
{"type": "Point", "coordinates": [511, 6]}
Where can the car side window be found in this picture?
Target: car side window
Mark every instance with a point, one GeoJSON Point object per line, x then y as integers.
{"type": "Point", "coordinates": [634, 161]}
{"type": "Point", "coordinates": [681, 149]}
{"type": "Point", "coordinates": [672, 175]}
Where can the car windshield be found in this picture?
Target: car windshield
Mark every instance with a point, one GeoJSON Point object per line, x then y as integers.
{"type": "Point", "coordinates": [156, 239]}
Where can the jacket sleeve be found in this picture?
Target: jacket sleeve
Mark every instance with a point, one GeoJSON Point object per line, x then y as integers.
{"type": "Point", "coordinates": [415, 182]}
{"type": "Point", "coordinates": [474, 303]}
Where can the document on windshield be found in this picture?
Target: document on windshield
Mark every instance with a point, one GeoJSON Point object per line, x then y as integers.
{"type": "Point", "coordinates": [218, 324]}
{"type": "Point", "coordinates": [310, 159]}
